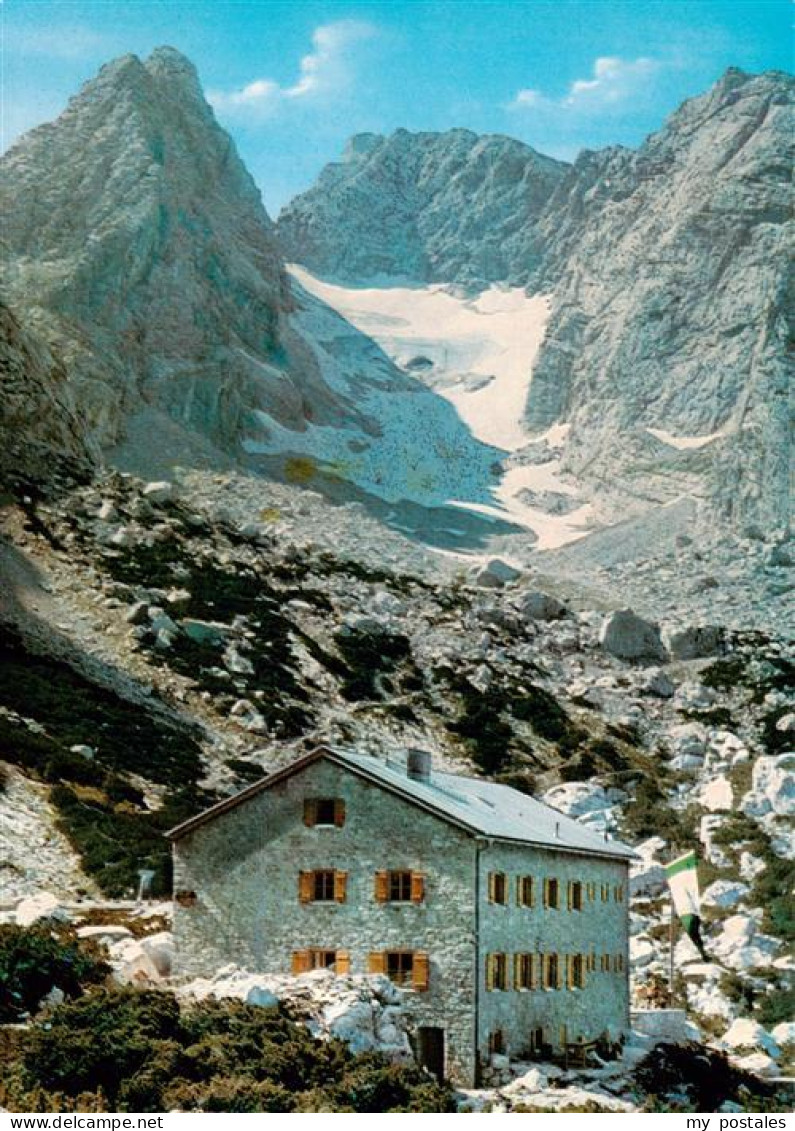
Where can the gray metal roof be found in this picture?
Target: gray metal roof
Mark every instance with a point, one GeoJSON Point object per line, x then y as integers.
{"type": "Point", "coordinates": [481, 807]}
{"type": "Point", "coordinates": [487, 808]}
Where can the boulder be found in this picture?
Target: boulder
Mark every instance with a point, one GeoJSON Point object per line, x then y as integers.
{"type": "Point", "coordinates": [104, 932]}
{"type": "Point", "coordinates": [717, 795]}
{"type": "Point", "coordinates": [41, 906]}
{"type": "Point", "coordinates": [693, 642]}
{"type": "Point", "coordinates": [204, 631]}
{"type": "Point", "coordinates": [535, 605]}
{"type": "Point", "coordinates": [724, 893]}
{"type": "Point", "coordinates": [159, 948]}
{"type": "Point", "coordinates": [743, 1033]}
{"type": "Point", "coordinates": [784, 1033]}
{"type": "Point", "coordinates": [629, 637]}
{"type": "Point", "coordinates": [138, 613]}
{"type": "Point", "coordinates": [772, 787]}
{"type": "Point", "coordinates": [658, 683]}
{"type": "Point", "coordinates": [159, 492]}
{"type": "Point", "coordinates": [647, 880]}
{"type": "Point", "coordinates": [495, 574]}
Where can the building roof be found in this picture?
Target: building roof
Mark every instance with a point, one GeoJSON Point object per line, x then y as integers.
{"type": "Point", "coordinates": [482, 808]}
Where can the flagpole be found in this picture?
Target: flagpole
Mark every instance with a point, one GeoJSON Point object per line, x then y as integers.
{"type": "Point", "coordinates": [671, 945]}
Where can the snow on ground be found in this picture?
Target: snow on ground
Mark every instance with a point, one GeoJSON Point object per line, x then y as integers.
{"type": "Point", "coordinates": [477, 355]}
{"type": "Point", "coordinates": [683, 443]}
{"type": "Point", "coordinates": [482, 348]}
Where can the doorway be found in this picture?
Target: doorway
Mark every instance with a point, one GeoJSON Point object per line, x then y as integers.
{"type": "Point", "coordinates": [430, 1049]}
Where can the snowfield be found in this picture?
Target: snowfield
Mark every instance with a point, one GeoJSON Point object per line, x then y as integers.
{"type": "Point", "coordinates": [477, 355]}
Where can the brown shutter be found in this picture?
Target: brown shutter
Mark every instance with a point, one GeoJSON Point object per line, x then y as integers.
{"type": "Point", "coordinates": [420, 971]}
{"type": "Point", "coordinates": [417, 887]}
{"type": "Point", "coordinates": [343, 962]}
{"type": "Point", "coordinates": [490, 964]}
{"type": "Point", "coordinates": [376, 962]}
{"type": "Point", "coordinates": [560, 973]}
{"type": "Point", "coordinates": [570, 971]}
{"type": "Point", "coordinates": [310, 811]}
{"type": "Point", "coordinates": [533, 971]}
{"type": "Point", "coordinates": [339, 812]}
{"type": "Point", "coordinates": [518, 891]}
{"type": "Point", "coordinates": [302, 961]}
{"type": "Point", "coordinates": [492, 887]}
{"type": "Point", "coordinates": [306, 884]}
{"type": "Point", "coordinates": [382, 887]}
{"type": "Point", "coordinates": [340, 886]}
{"type": "Point", "coordinates": [546, 892]}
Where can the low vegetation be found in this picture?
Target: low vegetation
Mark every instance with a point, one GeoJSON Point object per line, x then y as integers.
{"type": "Point", "coordinates": [135, 1050]}
{"type": "Point", "coordinates": [34, 959]}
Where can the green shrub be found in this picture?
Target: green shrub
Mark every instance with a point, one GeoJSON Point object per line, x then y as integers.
{"type": "Point", "coordinates": [133, 1050]}
{"type": "Point", "coordinates": [34, 959]}
{"type": "Point", "coordinates": [705, 1077]}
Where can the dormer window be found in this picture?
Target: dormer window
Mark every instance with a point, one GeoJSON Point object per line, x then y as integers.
{"type": "Point", "coordinates": [324, 812]}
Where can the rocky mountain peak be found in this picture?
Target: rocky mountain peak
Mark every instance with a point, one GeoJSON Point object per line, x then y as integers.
{"type": "Point", "coordinates": [432, 207]}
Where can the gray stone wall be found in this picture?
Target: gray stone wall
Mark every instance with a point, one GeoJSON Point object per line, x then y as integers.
{"type": "Point", "coordinates": [600, 928]}
{"type": "Point", "coordinates": [244, 867]}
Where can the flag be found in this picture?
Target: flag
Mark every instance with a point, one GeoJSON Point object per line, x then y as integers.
{"type": "Point", "coordinates": [683, 883]}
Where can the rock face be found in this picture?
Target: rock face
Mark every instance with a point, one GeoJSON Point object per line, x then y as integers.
{"type": "Point", "coordinates": [134, 231]}
{"type": "Point", "coordinates": [43, 430]}
{"type": "Point", "coordinates": [436, 207]}
{"type": "Point", "coordinates": [665, 350]}
{"type": "Point", "coordinates": [669, 273]}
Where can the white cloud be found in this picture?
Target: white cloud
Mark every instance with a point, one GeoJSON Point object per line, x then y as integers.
{"type": "Point", "coordinates": [325, 71]}
{"type": "Point", "coordinates": [613, 82]}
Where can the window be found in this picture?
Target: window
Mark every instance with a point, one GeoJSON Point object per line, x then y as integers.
{"type": "Point", "coordinates": [618, 964]}
{"type": "Point", "coordinates": [496, 1042]}
{"type": "Point", "coordinates": [537, 1040]}
{"type": "Point", "coordinates": [524, 891]}
{"type": "Point", "coordinates": [523, 972]}
{"type": "Point", "coordinates": [576, 965]}
{"type": "Point", "coordinates": [404, 967]}
{"type": "Point", "coordinates": [605, 965]}
{"type": "Point", "coordinates": [185, 898]}
{"type": "Point", "coordinates": [324, 812]}
{"type": "Point", "coordinates": [618, 893]}
{"type": "Point", "coordinates": [322, 886]}
{"type": "Point", "coordinates": [592, 961]}
{"type": "Point", "coordinates": [605, 892]}
{"type": "Point", "coordinates": [317, 959]}
{"type": "Point", "coordinates": [591, 890]}
{"type": "Point", "coordinates": [575, 895]}
{"type": "Point", "coordinates": [498, 887]}
{"type": "Point", "coordinates": [399, 887]}
{"type": "Point", "coordinates": [551, 893]}
{"type": "Point", "coordinates": [551, 972]}
{"type": "Point", "coordinates": [496, 972]}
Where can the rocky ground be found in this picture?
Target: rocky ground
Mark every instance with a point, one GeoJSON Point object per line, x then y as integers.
{"type": "Point", "coordinates": [162, 649]}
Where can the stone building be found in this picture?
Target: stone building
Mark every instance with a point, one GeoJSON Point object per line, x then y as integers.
{"type": "Point", "coordinates": [505, 920]}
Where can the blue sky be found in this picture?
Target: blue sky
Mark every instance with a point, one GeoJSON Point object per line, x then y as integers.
{"type": "Point", "coordinates": [293, 80]}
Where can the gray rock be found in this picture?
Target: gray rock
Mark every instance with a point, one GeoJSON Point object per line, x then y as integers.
{"type": "Point", "coordinates": [138, 613]}
{"type": "Point", "coordinates": [536, 605]}
{"type": "Point", "coordinates": [693, 642]}
{"type": "Point", "coordinates": [495, 574]}
{"type": "Point", "coordinates": [159, 492]}
{"type": "Point", "coordinates": [629, 637]}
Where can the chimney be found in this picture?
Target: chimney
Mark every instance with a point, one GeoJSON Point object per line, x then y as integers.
{"type": "Point", "coordinates": [418, 765]}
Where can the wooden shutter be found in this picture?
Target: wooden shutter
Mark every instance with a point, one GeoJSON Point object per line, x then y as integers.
{"type": "Point", "coordinates": [420, 971]}
{"type": "Point", "coordinates": [570, 894]}
{"type": "Point", "coordinates": [310, 811]}
{"type": "Point", "coordinates": [343, 962]}
{"type": "Point", "coordinates": [306, 886]}
{"type": "Point", "coordinates": [561, 983]}
{"type": "Point", "coordinates": [492, 887]}
{"type": "Point", "coordinates": [570, 971]}
{"type": "Point", "coordinates": [490, 971]}
{"type": "Point", "coordinates": [302, 961]}
{"type": "Point", "coordinates": [517, 971]}
{"type": "Point", "coordinates": [546, 892]}
{"type": "Point", "coordinates": [382, 887]}
{"type": "Point", "coordinates": [339, 812]}
{"type": "Point", "coordinates": [340, 886]}
{"type": "Point", "coordinates": [417, 887]}
{"type": "Point", "coordinates": [376, 962]}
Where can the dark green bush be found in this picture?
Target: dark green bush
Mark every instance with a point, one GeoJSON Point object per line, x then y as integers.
{"type": "Point", "coordinates": [134, 1050]}
{"type": "Point", "coordinates": [701, 1074]}
{"type": "Point", "coordinates": [34, 959]}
